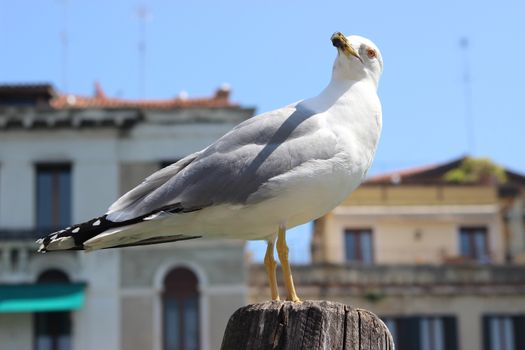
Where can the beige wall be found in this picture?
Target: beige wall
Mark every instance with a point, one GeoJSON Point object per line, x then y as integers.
{"type": "Point", "coordinates": [412, 234]}
{"type": "Point", "coordinates": [412, 224]}
{"type": "Point", "coordinates": [421, 195]}
{"type": "Point", "coordinates": [137, 321]}
{"type": "Point", "coordinates": [16, 331]}
{"type": "Point", "coordinates": [221, 307]}
{"type": "Point", "coordinates": [422, 243]}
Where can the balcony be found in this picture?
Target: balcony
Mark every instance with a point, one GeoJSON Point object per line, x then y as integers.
{"type": "Point", "coordinates": [19, 260]}
{"type": "Point", "coordinates": [8, 234]}
{"type": "Point", "coordinates": [320, 280]}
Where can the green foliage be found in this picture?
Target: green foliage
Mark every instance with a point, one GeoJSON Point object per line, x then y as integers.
{"type": "Point", "coordinates": [374, 295]}
{"type": "Point", "coordinates": [476, 170]}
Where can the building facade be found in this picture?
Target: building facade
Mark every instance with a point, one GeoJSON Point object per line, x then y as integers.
{"type": "Point", "coordinates": [64, 159]}
{"type": "Point", "coordinates": [440, 262]}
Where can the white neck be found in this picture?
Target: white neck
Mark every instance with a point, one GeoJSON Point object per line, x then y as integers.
{"type": "Point", "coordinates": [335, 91]}
{"type": "Point", "coordinates": [354, 104]}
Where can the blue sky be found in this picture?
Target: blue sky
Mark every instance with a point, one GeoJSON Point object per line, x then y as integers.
{"type": "Point", "coordinates": [275, 52]}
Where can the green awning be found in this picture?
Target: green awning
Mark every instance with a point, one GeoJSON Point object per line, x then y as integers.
{"type": "Point", "coordinates": [41, 297]}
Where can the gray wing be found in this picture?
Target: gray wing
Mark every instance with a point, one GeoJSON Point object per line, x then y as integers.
{"type": "Point", "coordinates": [150, 184]}
{"type": "Point", "coordinates": [235, 166]}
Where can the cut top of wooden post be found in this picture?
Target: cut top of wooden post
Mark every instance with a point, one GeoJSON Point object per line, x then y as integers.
{"type": "Point", "coordinates": [310, 325]}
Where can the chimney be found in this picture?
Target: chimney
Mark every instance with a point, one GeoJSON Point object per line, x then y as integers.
{"type": "Point", "coordinates": [99, 93]}
{"type": "Point", "coordinates": [223, 92]}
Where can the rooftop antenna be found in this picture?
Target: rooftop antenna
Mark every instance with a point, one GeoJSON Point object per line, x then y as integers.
{"type": "Point", "coordinates": [467, 89]}
{"type": "Point", "coordinates": [143, 15]}
{"type": "Point", "coordinates": [64, 39]}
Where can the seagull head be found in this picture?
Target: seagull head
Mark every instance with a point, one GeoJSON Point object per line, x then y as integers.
{"type": "Point", "coordinates": [357, 58]}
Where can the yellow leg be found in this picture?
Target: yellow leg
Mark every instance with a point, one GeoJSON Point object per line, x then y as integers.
{"type": "Point", "coordinates": [282, 251]}
{"type": "Point", "coordinates": [271, 265]}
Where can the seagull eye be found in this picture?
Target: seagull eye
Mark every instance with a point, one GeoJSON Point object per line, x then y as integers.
{"type": "Point", "coordinates": [371, 53]}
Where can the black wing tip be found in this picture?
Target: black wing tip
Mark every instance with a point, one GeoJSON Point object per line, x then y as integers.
{"type": "Point", "coordinates": [79, 233]}
{"type": "Point", "coordinates": [83, 232]}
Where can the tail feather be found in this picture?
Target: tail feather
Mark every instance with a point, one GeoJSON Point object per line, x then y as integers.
{"type": "Point", "coordinates": [150, 231]}
{"type": "Point", "coordinates": [75, 237]}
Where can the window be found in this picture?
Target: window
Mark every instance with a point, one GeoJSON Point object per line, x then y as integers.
{"type": "Point", "coordinates": [181, 310]}
{"type": "Point", "coordinates": [52, 329]}
{"type": "Point", "coordinates": [504, 332]}
{"type": "Point", "coordinates": [432, 333]}
{"type": "Point", "coordinates": [423, 332]}
{"type": "Point", "coordinates": [358, 245]}
{"type": "Point", "coordinates": [473, 243]}
{"type": "Point", "coordinates": [53, 196]}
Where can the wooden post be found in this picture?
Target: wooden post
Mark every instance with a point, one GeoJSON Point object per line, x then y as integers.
{"type": "Point", "coordinates": [310, 325]}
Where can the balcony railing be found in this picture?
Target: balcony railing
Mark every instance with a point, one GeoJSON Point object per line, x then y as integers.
{"type": "Point", "coordinates": [8, 234]}
{"type": "Point", "coordinates": [333, 279]}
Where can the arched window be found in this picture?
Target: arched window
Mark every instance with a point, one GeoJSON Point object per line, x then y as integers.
{"type": "Point", "coordinates": [52, 276]}
{"type": "Point", "coordinates": [180, 301]}
{"type": "Point", "coordinates": [52, 329]}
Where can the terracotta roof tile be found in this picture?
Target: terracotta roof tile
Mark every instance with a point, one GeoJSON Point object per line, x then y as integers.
{"type": "Point", "coordinates": [431, 174]}
{"type": "Point", "coordinates": [397, 176]}
{"type": "Point", "coordinates": [100, 100]}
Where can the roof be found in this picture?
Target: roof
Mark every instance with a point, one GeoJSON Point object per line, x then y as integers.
{"type": "Point", "coordinates": [38, 88]}
{"type": "Point", "coordinates": [18, 95]}
{"type": "Point", "coordinates": [430, 174]}
{"type": "Point", "coordinates": [40, 106]}
{"type": "Point", "coordinates": [40, 94]}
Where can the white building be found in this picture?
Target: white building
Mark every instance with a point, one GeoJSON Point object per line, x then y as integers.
{"type": "Point", "coordinates": [64, 159]}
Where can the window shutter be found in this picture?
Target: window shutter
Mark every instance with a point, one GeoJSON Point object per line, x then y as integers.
{"type": "Point", "coordinates": [486, 332]}
{"type": "Point", "coordinates": [408, 333]}
{"type": "Point", "coordinates": [518, 322]}
{"type": "Point", "coordinates": [451, 332]}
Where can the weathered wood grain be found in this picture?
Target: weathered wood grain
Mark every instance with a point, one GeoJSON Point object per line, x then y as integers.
{"type": "Point", "coordinates": [310, 325]}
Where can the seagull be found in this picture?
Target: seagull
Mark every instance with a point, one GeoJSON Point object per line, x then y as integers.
{"type": "Point", "coordinates": [271, 172]}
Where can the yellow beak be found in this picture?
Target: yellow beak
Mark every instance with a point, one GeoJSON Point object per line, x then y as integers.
{"type": "Point", "coordinates": [341, 42]}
